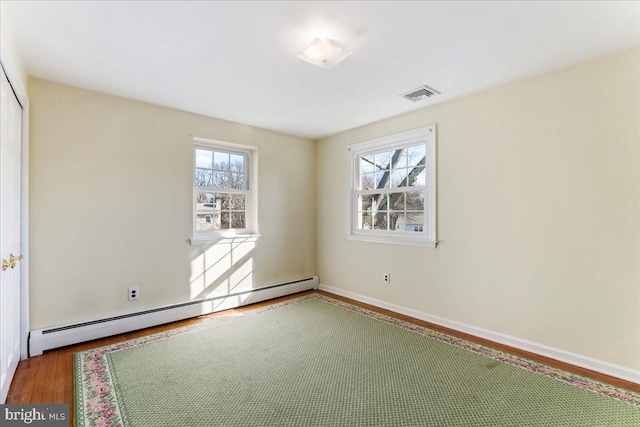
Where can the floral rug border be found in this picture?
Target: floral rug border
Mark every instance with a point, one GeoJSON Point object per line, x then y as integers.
{"type": "Point", "coordinates": [97, 403]}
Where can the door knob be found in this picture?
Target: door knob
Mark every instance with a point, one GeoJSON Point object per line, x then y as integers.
{"type": "Point", "coordinates": [11, 263]}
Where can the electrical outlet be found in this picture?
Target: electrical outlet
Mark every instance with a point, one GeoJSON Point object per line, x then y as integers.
{"type": "Point", "coordinates": [386, 278]}
{"type": "Point", "coordinates": [134, 293]}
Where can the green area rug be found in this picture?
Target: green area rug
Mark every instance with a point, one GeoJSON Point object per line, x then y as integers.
{"type": "Point", "coordinates": [317, 361]}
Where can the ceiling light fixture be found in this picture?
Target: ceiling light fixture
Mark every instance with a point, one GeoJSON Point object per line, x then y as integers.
{"type": "Point", "coordinates": [325, 53]}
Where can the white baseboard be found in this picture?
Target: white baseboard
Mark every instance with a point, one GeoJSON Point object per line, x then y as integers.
{"type": "Point", "coordinates": [60, 336]}
{"type": "Point", "coordinates": [532, 347]}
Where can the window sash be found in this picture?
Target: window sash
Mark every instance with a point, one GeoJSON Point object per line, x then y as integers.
{"type": "Point", "coordinates": [385, 190]}
{"type": "Point", "coordinates": [246, 155]}
{"type": "Point", "coordinates": [421, 136]}
{"type": "Point", "coordinates": [225, 148]}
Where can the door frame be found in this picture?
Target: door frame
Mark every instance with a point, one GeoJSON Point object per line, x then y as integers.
{"type": "Point", "coordinates": [9, 65]}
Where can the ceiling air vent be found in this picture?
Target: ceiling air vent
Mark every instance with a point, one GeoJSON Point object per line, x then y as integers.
{"type": "Point", "coordinates": [421, 93]}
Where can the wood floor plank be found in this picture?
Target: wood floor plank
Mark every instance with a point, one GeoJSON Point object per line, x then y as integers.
{"type": "Point", "coordinates": [51, 383]}
{"type": "Point", "coordinates": [18, 384]}
{"type": "Point", "coordinates": [64, 369]}
{"type": "Point", "coordinates": [39, 386]}
{"type": "Point", "coordinates": [30, 369]}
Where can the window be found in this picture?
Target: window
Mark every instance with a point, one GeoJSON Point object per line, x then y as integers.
{"type": "Point", "coordinates": [223, 196]}
{"type": "Point", "coordinates": [393, 189]}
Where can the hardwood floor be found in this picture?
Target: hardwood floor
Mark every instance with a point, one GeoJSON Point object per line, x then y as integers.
{"type": "Point", "coordinates": [48, 379]}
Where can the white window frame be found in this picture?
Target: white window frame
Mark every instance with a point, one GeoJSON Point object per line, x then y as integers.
{"type": "Point", "coordinates": [201, 237]}
{"type": "Point", "coordinates": [427, 238]}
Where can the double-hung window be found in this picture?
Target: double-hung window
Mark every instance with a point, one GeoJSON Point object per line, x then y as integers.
{"type": "Point", "coordinates": [223, 197]}
{"type": "Point", "coordinates": [393, 189]}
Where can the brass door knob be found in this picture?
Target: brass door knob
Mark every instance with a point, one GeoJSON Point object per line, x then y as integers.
{"type": "Point", "coordinates": [11, 263]}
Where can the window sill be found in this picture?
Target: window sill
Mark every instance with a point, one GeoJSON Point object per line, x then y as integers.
{"type": "Point", "coordinates": [393, 240]}
{"type": "Point", "coordinates": [210, 240]}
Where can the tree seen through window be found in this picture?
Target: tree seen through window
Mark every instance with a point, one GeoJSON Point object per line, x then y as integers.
{"type": "Point", "coordinates": [392, 189]}
{"type": "Point", "coordinates": [221, 183]}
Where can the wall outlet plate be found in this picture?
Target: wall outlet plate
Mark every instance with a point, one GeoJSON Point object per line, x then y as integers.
{"type": "Point", "coordinates": [134, 293]}
{"type": "Point", "coordinates": [386, 278]}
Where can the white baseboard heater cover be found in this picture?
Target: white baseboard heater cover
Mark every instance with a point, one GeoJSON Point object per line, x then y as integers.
{"type": "Point", "coordinates": [46, 339]}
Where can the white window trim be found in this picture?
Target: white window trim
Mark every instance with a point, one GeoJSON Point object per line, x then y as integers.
{"type": "Point", "coordinates": [251, 214]}
{"type": "Point", "coordinates": [428, 237]}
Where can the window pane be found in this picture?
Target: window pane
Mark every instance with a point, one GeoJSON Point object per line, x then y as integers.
{"type": "Point", "coordinates": [415, 221]}
{"type": "Point", "coordinates": [419, 177]}
{"type": "Point", "coordinates": [398, 177]}
{"type": "Point", "coordinates": [224, 220]}
{"type": "Point", "coordinates": [373, 202]}
{"type": "Point", "coordinates": [206, 221]}
{"type": "Point", "coordinates": [367, 219]}
{"type": "Point", "coordinates": [380, 221]}
{"type": "Point", "coordinates": [378, 202]}
{"type": "Point", "coordinates": [237, 202]}
{"type": "Point", "coordinates": [396, 221]}
{"type": "Point", "coordinates": [382, 160]}
{"type": "Point", "coordinates": [237, 163]}
{"type": "Point", "coordinates": [237, 220]}
{"type": "Point", "coordinates": [366, 164]}
{"type": "Point", "coordinates": [416, 155]}
{"type": "Point", "coordinates": [203, 178]}
{"type": "Point", "coordinates": [220, 179]}
{"type": "Point", "coordinates": [401, 160]}
{"type": "Point", "coordinates": [367, 181]}
{"type": "Point", "coordinates": [365, 202]}
{"type": "Point", "coordinates": [202, 198]}
{"type": "Point", "coordinates": [237, 181]}
{"type": "Point", "coordinates": [221, 201]}
{"type": "Point", "coordinates": [221, 161]}
{"type": "Point", "coordinates": [204, 159]}
{"type": "Point", "coordinates": [382, 179]}
{"type": "Point", "coordinates": [415, 201]}
{"type": "Point", "coordinates": [396, 201]}
{"type": "Point", "coordinates": [205, 214]}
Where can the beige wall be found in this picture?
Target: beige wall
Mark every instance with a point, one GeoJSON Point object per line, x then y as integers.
{"type": "Point", "coordinates": [539, 210]}
{"type": "Point", "coordinates": [111, 205]}
{"type": "Point", "coordinates": [539, 216]}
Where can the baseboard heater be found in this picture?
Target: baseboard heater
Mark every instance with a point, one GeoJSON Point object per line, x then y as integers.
{"type": "Point", "coordinates": [60, 336]}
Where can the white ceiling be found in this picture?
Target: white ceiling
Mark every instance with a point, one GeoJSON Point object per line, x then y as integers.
{"type": "Point", "coordinates": [237, 60]}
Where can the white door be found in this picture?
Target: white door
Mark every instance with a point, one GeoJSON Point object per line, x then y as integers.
{"type": "Point", "coordinates": [10, 161]}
